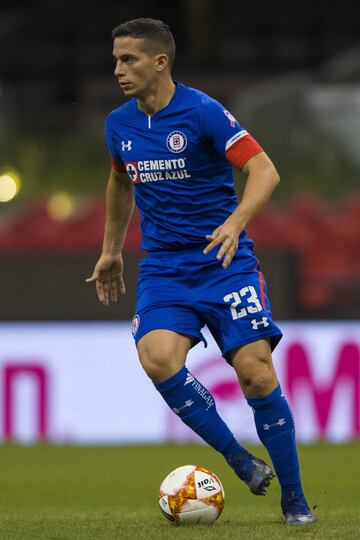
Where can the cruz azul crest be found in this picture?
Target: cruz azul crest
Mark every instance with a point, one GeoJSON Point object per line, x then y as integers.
{"type": "Point", "coordinates": [176, 141]}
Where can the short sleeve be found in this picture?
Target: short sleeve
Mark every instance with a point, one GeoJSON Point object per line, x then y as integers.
{"type": "Point", "coordinates": [115, 156]}
{"type": "Point", "coordinates": [225, 133]}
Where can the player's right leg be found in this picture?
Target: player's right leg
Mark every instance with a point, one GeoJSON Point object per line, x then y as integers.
{"type": "Point", "coordinates": [162, 354]}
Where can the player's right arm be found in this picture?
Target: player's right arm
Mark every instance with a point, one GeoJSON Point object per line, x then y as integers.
{"type": "Point", "coordinates": [108, 271]}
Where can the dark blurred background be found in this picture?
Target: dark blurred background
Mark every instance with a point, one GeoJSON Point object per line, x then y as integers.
{"type": "Point", "coordinates": [290, 73]}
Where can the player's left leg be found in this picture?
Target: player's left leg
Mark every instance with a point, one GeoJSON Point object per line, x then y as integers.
{"type": "Point", "coordinates": [274, 423]}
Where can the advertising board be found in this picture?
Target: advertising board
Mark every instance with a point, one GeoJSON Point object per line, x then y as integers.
{"type": "Point", "coordinates": [81, 383]}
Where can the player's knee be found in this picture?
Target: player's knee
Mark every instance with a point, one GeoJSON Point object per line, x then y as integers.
{"type": "Point", "coordinates": [260, 385]}
{"type": "Point", "coordinates": [158, 361]}
{"type": "Point", "coordinates": [257, 376]}
{"type": "Point", "coordinates": [154, 362]}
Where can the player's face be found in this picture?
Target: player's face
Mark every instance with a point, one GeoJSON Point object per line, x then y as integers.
{"type": "Point", "coordinates": [135, 69]}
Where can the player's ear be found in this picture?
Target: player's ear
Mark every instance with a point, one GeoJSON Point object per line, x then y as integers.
{"type": "Point", "coordinates": [162, 61]}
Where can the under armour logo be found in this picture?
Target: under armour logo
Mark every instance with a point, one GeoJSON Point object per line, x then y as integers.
{"type": "Point", "coordinates": [280, 422]}
{"type": "Point", "coordinates": [187, 403]}
{"type": "Point", "coordinates": [256, 324]}
{"type": "Point", "coordinates": [126, 146]}
{"type": "Point", "coordinates": [189, 379]}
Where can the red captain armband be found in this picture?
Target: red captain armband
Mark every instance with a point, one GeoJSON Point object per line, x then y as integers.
{"type": "Point", "coordinates": [240, 148]}
{"type": "Point", "coordinates": [119, 167]}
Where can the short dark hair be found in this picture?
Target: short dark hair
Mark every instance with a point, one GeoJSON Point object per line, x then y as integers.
{"type": "Point", "coordinates": [157, 34]}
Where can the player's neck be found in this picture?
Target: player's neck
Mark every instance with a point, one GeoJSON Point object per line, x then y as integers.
{"type": "Point", "coordinates": [157, 98]}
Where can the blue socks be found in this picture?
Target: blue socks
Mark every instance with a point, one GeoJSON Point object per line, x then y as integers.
{"type": "Point", "coordinates": [275, 427]}
{"type": "Point", "coordinates": [188, 398]}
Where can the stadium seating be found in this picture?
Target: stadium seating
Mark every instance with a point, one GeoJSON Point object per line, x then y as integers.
{"type": "Point", "coordinates": [324, 239]}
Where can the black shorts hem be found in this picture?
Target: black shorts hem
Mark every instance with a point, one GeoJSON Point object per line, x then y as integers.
{"type": "Point", "coordinates": [198, 337]}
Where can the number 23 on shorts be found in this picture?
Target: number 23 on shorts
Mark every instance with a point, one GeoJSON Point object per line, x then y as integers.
{"type": "Point", "coordinates": [246, 295]}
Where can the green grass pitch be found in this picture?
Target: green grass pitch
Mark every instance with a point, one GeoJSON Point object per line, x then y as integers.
{"type": "Point", "coordinates": [73, 493]}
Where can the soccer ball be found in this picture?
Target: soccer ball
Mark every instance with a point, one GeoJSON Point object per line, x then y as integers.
{"type": "Point", "coordinates": [191, 494]}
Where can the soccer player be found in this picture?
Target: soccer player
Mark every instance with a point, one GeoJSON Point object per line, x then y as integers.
{"type": "Point", "coordinates": [175, 147]}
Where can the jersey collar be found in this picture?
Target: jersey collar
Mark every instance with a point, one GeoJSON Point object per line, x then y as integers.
{"type": "Point", "coordinates": [172, 103]}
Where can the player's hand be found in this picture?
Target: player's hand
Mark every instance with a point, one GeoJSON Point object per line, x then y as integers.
{"type": "Point", "coordinates": [108, 278]}
{"type": "Point", "coordinates": [228, 236]}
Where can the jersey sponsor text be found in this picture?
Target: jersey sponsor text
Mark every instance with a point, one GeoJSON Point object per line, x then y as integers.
{"type": "Point", "coordinates": [154, 170]}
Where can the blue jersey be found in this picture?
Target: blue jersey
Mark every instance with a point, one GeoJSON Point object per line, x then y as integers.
{"type": "Point", "coordinates": [180, 161]}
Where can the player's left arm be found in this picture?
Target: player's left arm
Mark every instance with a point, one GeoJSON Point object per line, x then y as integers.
{"type": "Point", "coordinates": [262, 178]}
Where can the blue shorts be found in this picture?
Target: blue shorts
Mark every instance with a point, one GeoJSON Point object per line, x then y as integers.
{"type": "Point", "coordinates": [185, 290]}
